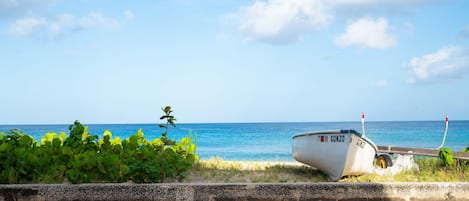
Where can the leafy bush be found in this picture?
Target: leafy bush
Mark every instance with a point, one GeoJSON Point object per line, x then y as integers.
{"type": "Point", "coordinates": [17, 157]}
{"type": "Point", "coordinates": [82, 157]}
{"type": "Point", "coordinates": [446, 156]}
{"type": "Point", "coordinates": [466, 149]}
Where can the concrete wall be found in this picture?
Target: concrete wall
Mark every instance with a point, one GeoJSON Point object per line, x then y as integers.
{"type": "Point", "coordinates": [268, 191]}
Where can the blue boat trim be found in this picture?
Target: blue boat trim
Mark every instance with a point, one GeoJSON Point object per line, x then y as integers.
{"type": "Point", "coordinates": [343, 131]}
{"type": "Point", "coordinates": [351, 131]}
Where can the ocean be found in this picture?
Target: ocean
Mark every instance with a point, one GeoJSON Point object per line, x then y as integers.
{"type": "Point", "coordinates": [273, 141]}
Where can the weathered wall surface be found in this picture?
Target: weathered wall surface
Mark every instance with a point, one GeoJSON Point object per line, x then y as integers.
{"type": "Point", "coordinates": [267, 191]}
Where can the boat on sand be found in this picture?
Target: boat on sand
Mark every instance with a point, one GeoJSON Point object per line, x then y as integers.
{"type": "Point", "coordinates": [337, 153]}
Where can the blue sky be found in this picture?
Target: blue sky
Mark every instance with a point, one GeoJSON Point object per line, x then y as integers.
{"type": "Point", "coordinates": [233, 61]}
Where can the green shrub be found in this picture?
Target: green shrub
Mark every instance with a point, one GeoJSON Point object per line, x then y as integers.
{"type": "Point", "coordinates": [446, 156]}
{"type": "Point", "coordinates": [82, 157]}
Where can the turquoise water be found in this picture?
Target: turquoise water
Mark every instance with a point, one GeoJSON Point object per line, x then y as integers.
{"type": "Point", "coordinates": [272, 141]}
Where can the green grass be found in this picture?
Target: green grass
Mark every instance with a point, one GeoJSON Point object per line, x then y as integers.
{"type": "Point", "coordinates": [217, 170]}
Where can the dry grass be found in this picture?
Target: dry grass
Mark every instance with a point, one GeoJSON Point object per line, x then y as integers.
{"type": "Point", "coordinates": [217, 170]}
{"type": "Point", "coordinates": [431, 170]}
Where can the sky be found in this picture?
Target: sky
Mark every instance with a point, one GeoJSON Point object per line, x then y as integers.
{"type": "Point", "coordinates": [233, 60]}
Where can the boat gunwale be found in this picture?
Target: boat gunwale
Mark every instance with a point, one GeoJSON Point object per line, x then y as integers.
{"type": "Point", "coordinates": [342, 131]}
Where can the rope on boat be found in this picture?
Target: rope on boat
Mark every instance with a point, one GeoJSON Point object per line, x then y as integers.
{"type": "Point", "coordinates": [444, 135]}
{"type": "Point", "coordinates": [363, 124]}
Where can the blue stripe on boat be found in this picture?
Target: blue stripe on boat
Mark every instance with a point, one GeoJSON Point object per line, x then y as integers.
{"type": "Point", "coordinates": [350, 131]}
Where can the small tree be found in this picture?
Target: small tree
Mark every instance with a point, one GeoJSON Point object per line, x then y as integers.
{"type": "Point", "coordinates": [169, 121]}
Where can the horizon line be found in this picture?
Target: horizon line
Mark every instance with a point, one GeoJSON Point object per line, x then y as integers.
{"type": "Point", "coordinates": [253, 122]}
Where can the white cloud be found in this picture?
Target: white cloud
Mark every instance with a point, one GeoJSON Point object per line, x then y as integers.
{"type": "Point", "coordinates": [97, 20]}
{"type": "Point", "coordinates": [57, 26]}
{"type": "Point", "coordinates": [60, 25]}
{"type": "Point", "coordinates": [381, 83]}
{"type": "Point", "coordinates": [280, 21]}
{"type": "Point", "coordinates": [447, 63]}
{"type": "Point", "coordinates": [368, 33]}
{"type": "Point", "coordinates": [24, 27]}
{"type": "Point", "coordinates": [129, 15]}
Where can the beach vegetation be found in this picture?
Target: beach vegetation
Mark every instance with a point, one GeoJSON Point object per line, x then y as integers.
{"type": "Point", "coordinates": [431, 169]}
{"type": "Point", "coordinates": [169, 122]}
{"type": "Point", "coordinates": [217, 170]}
{"type": "Point", "coordinates": [465, 149]}
{"type": "Point", "coordinates": [446, 157]}
{"type": "Point", "coordinates": [83, 157]}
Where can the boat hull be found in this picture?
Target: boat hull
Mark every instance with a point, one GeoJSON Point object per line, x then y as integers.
{"type": "Point", "coordinates": [336, 153]}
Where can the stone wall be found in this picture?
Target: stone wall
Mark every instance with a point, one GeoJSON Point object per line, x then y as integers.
{"type": "Point", "coordinates": [266, 191]}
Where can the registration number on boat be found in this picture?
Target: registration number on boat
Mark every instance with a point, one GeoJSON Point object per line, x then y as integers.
{"type": "Point", "coordinates": [337, 138]}
{"type": "Point", "coordinates": [332, 138]}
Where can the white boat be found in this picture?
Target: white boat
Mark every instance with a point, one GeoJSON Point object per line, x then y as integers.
{"type": "Point", "coordinates": [337, 153]}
